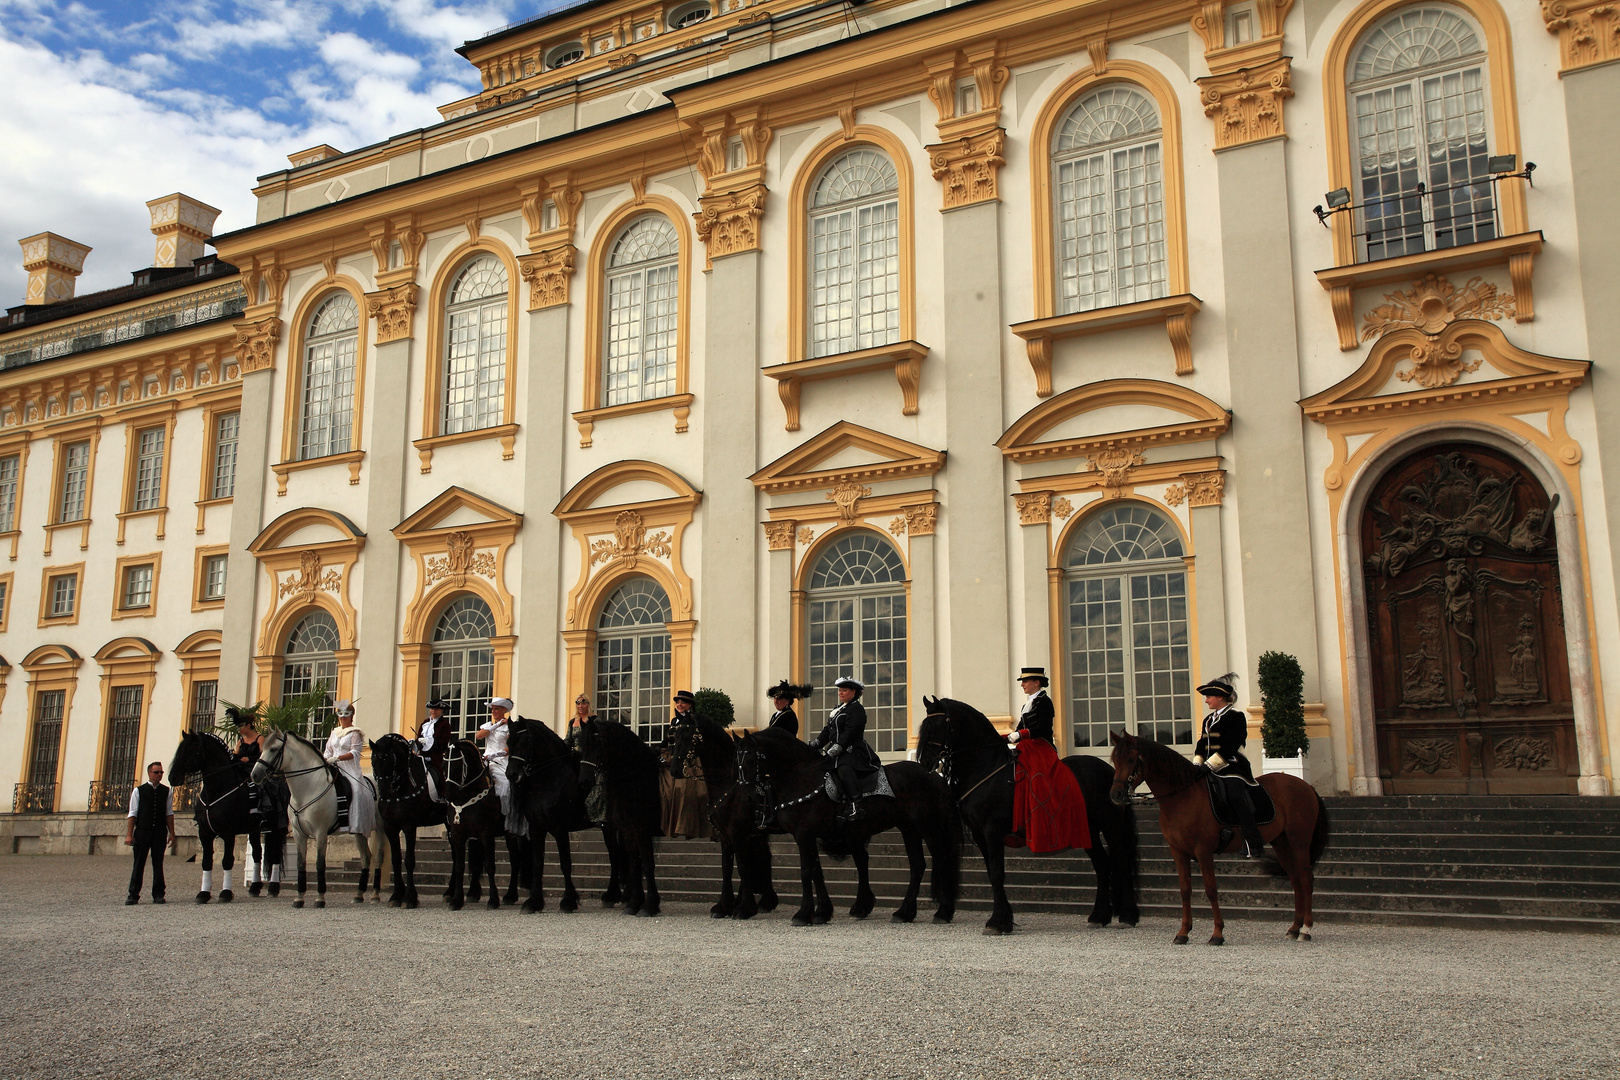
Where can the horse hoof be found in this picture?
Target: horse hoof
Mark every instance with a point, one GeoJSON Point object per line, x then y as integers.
{"type": "Point", "coordinates": [901, 916]}
{"type": "Point", "coordinates": [1304, 935]}
{"type": "Point", "coordinates": [396, 903]}
{"type": "Point", "coordinates": [768, 903]}
{"type": "Point", "coordinates": [943, 917]}
{"type": "Point", "coordinates": [320, 903]}
{"type": "Point", "coordinates": [494, 903]}
{"type": "Point", "coordinates": [1217, 940]}
{"type": "Point", "coordinates": [568, 907]}
{"type": "Point", "coordinates": [376, 898]}
{"type": "Point", "coordinates": [1292, 935]}
{"type": "Point", "coordinates": [995, 931]}
{"type": "Point", "coordinates": [360, 899]}
{"type": "Point", "coordinates": [1181, 939]}
{"type": "Point", "coordinates": [455, 905]}
{"type": "Point", "coordinates": [801, 920]}
{"type": "Point", "coordinates": [718, 912]}
{"type": "Point", "coordinates": [275, 888]}
{"type": "Point", "coordinates": [743, 914]}
{"type": "Point", "coordinates": [255, 889]}
{"type": "Point", "coordinates": [298, 903]}
{"type": "Point", "coordinates": [203, 898]}
{"type": "Point", "coordinates": [411, 903]}
{"type": "Point", "coordinates": [227, 896]}
{"type": "Point", "coordinates": [1097, 920]}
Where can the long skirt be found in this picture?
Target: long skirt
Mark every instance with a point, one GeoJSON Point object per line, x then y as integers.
{"type": "Point", "coordinates": [1048, 807]}
{"type": "Point", "coordinates": [685, 806]}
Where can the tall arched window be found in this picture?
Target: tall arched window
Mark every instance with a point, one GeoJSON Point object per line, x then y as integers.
{"type": "Point", "coordinates": [855, 254]}
{"type": "Point", "coordinates": [475, 322]}
{"type": "Point", "coordinates": [857, 627]}
{"type": "Point", "coordinates": [463, 671]}
{"type": "Point", "coordinates": [1417, 87]}
{"type": "Point", "coordinates": [633, 658]}
{"type": "Point", "coordinates": [310, 660]}
{"type": "Point", "coordinates": [1108, 179]}
{"type": "Point", "coordinates": [1129, 657]}
{"type": "Point", "coordinates": [643, 312]}
{"type": "Point", "coordinates": [326, 380]}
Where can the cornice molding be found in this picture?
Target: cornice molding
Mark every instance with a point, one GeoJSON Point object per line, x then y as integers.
{"type": "Point", "coordinates": [1588, 32]}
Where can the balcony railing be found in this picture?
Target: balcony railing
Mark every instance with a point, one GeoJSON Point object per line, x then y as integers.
{"type": "Point", "coordinates": [33, 799]}
{"type": "Point", "coordinates": [1425, 218]}
{"type": "Point", "coordinates": [108, 795]}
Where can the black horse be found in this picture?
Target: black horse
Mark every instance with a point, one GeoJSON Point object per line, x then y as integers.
{"type": "Point", "coordinates": [958, 741]}
{"type": "Point", "coordinates": [629, 771]}
{"type": "Point", "coordinates": [404, 804]}
{"type": "Point", "coordinates": [544, 774]}
{"type": "Point", "coordinates": [920, 808]}
{"type": "Point", "coordinates": [472, 813]}
{"type": "Point", "coordinates": [225, 809]}
{"type": "Point", "coordinates": [742, 842]}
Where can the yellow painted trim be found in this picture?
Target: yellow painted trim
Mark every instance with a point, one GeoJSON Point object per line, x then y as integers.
{"type": "Point", "coordinates": [17, 443]}
{"type": "Point", "coordinates": [50, 667]}
{"type": "Point", "coordinates": [199, 576]}
{"type": "Point", "coordinates": [89, 431]}
{"type": "Point", "coordinates": [9, 584]}
{"type": "Point", "coordinates": [439, 298]}
{"type": "Point", "coordinates": [1206, 419]}
{"type": "Point", "coordinates": [119, 671]}
{"type": "Point", "coordinates": [118, 610]}
{"type": "Point", "coordinates": [295, 378]}
{"type": "Point", "coordinates": [211, 413]}
{"type": "Point", "coordinates": [75, 570]}
{"type": "Point", "coordinates": [197, 664]}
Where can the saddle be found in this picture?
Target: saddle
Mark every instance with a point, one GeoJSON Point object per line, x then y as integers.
{"type": "Point", "coordinates": [867, 784]}
{"type": "Point", "coordinates": [340, 783]}
{"type": "Point", "coordinates": [1221, 793]}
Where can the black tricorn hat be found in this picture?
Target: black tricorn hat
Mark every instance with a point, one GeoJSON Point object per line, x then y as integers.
{"type": "Point", "coordinates": [1221, 685]}
{"type": "Point", "coordinates": [785, 689]}
{"type": "Point", "coordinates": [439, 703]}
{"type": "Point", "coordinates": [1034, 673]}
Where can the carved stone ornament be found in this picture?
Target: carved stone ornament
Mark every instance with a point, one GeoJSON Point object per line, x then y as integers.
{"type": "Point", "coordinates": [630, 539]}
{"type": "Point", "coordinates": [1115, 464]}
{"type": "Point", "coordinates": [1525, 753]}
{"type": "Point", "coordinates": [779, 535]}
{"type": "Point", "coordinates": [1197, 489]}
{"type": "Point", "coordinates": [968, 167]}
{"type": "Point", "coordinates": [1431, 305]}
{"type": "Point", "coordinates": [310, 578]}
{"type": "Point", "coordinates": [897, 525]}
{"type": "Point", "coordinates": [848, 495]}
{"type": "Point", "coordinates": [1247, 104]}
{"type": "Point", "coordinates": [728, 223]}
{"type": "Point", "coordinates": [1062, 508]}
{"type": "Point", "coordinates": [548, 273]}
{"type": "Point", "coordinates": [1428, 755]}
{"type": "Point", "coordinates": [393, 309]}
{"type": "Point", "coordinates": [920, 519]}
{"type": "Point", "coordinates": [256, 345]}
{"type": "Point", "coordinates": [460, 559]}
{"type": "Point", "coordinates": [1588, 31]}
{"type": "Point", "coordinates": [805, 535]}
{"type": "Point", "coordinates": [1034, 507]}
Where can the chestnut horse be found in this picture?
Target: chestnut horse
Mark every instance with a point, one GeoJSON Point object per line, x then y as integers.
{"type": "Point", "coordinates": [1298, 833]}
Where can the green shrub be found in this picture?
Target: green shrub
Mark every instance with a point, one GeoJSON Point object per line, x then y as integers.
{"type": "Point", "coordinates": [1282, 694]}
{"type": "Point", "coordinates": [715, 706]}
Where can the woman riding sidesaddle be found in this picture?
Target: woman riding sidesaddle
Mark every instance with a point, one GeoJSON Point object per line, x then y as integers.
{"type": "Point", "coordinates": [1049, 811]}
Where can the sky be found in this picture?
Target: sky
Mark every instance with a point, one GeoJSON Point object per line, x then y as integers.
{"type": "Point", "coordinates": [105, 104]}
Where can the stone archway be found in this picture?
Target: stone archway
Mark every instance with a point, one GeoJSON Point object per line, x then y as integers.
{"type": "Point", "coordinates": [1465, 625]}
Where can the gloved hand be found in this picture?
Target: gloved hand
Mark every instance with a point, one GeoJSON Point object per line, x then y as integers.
{"type": "Point", "coordinates": [1198, 759]}
{"type": "Point", "coordinates": [1012, 739]}
{"type": "Point", "coordinates": [1216, 763]}
{"type": "Point", "coordinates": [834, 750]}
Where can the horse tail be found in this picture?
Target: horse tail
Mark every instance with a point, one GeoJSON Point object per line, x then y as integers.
{"type": "Point", "coordinates": [1323, 830]}
{"type": "Point", "coordinates": [946, 882]}
{"type": "Point", "coordinates": [1120, 831]}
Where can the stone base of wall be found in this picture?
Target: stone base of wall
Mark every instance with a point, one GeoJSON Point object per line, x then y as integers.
{"type": "Point", "coordinates": [80, 833]}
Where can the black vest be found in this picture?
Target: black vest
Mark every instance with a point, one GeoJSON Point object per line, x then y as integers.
{"type": "Point", "coordinates": [150, 807]}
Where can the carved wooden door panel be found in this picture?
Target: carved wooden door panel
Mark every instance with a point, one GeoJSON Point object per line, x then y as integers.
{"type": "Point", "coordinates": [1471, 686]}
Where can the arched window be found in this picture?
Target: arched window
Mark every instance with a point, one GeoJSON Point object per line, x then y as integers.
{"type": "Point", "coordinates": [1108, 179]}
{"type": "Point", "coordinates": [310, 660]}
{"type": "Point", "coordinates": [326, 379]}
{"type": "Point", "coordinates": [855, 254]}
{"type": "Point", "coordinates": [1129, 658]}
{"type": "Point", "coordinates": [643, 312]}
{"type": "Point", "coordinates": [463, 672]}
{"type": "Point", "coordinates": [1416, 82]}
{"type": "Point", "coordinates": [474, 391]}
{"type": "Point", "coordinates": [633, 658]}
{"type": "Point", "coordinates": [857, 627]}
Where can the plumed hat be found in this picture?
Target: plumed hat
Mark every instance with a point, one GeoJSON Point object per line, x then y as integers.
{"type": "Point", "coordinates": [785, 689]}
{"type": "Point", "coordinates": [242, 715]}
{"type": "Point", "coordinates": [1222, 685]}
{"type": "Point", "coordinates": [440, 704]}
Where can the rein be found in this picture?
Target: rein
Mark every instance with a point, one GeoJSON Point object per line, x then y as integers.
{"type": "Point", "coordinates": [281, 756]}
{"type": "Point", "coordinates": [946, 769]}
{"type": "Point", "coordinates": [457, 809]}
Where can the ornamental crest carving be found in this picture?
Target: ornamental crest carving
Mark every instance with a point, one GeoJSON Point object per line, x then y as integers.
{"type": "Point", "coordinates": [256, 345]}
{"type": "Point", "coordinates": [920, 519]}
{"type": "Point", "coordinates": [310, 578]}
{"type": "Point", "coordinates": [968, 168]}
{"type": "Point", "coordinates": [1431, 305]}
{"type": "Point", "coordinates": [729, 223]}
{"type": "Point", "coordinates": [848, 495]}
{"type": "Point", "coordinates": [779, 535]}
{"type": "Point", "coordinates": [548, 273]}
{"type": "Point", "coordinates": [393, 309]}
{"type": "Point", "coordinates": [1588, 30]}
{"type": "Point", "coordinates": [1115, 465]}
{"type": "Point", "coordinates": [1062, 507]}
{"type": "Point", "coordinates": [1197, 489]}
{"type": "Point", "coordinates": [1246, 104]}
{"type": "Point", "coordinates": [459, 560]}
{"type": "Point", "coordinates": [1034, 507]}
{"type": "Point", "coordinates": [1525, 753]}
{"type": "Point", "coordinates": [1454, 512]}
{"type": "Point", "coordinates": [1428, 755]}
{"type": "Point", "coordinates": [630, 539]}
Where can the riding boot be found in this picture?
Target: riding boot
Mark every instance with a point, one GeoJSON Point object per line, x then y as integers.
{"type": "Point", "coordinates": [1254, 846]}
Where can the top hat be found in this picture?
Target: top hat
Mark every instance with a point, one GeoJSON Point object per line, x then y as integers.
{"type": "Point", "coordinates": [1034, 673]}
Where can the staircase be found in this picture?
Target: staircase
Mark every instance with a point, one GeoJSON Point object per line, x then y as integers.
{"type": "Point", "coordinates": [1496, 862]}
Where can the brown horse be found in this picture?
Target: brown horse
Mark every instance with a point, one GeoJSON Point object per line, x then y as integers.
{"type": "Point", "coordinates": [1298, 833]}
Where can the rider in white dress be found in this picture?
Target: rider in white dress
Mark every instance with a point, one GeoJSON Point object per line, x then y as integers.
{"type": "Point", "coordinates": [343, 749]}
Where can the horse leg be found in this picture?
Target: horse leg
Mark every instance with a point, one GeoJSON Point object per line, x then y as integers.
{"type": "Point", "coordinates": [458, 859]}
{"type": "Point", "coordinates": [824, 905]}
{"type": "Point", "coordinates": [1206, 863]}
{"type": "Point", "coordinates": [565, 859]}
{"type": "Point", "coordinates": [616, 860]}
{"type": "Point", "coordinates": [320, 870]}
{"type": "Point", "coordinates": [995, 866]}
{"type": "Point", "coordinates": [227, 862]}
{"type": "Point", "coordinates": [397, 896]}
{"type": "Point", "coordinates": [865, 901]}
{"type": "Point", "coordinates": [1302, 874]}
{"type": "Point", "coordinates": [1285, 857]}
{"type": "Point", "coordinates": [651, 904]}
{"type": "Point", "coordinates": [519, 857]}
{"type": "Point", "coordinates": [766, 887]}
{"type": "Point", "coordinates": [753, 877]}
{"type": "Point", "coordinates": [907, 911]}
{"type": "Point", "coordinates": [1184, 876]}
{"type": "Point", "coordinates": [1102, 912]}
{"type": "Point", "coordinates": [301, 843]}
{"type": "Point", "coordinates": [490, 869]}
{"type": "Point", "coordinates": [409, 897]}
{"type": "Point", "coordinates": [537, 869]}
{"type": "Point", "coordinates": [727, 903]}
{"type": "Point", "coordinates": [205, 892]}
{"type": "Point", "coordinates": [256, 853]}
{"type": "Point", "coordinates": [809, 867]}
{"type": "Point", "coordinates": [363, 842]}
{"type": "Point", "coordinates": [276, 860]}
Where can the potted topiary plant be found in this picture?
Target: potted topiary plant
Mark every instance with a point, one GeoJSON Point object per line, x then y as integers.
{"type": "Point", "coordinates": [714, 705]}
{"type": "Point", "coordinates": [1282, 732]}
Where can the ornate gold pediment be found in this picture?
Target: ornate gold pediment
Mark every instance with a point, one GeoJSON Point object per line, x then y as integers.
{"type": "Point", "coordinates": [1188, 417]}
{"type": "Point", "coordinates": [815, 465]}
{"type": "Point", "coordinates": [459, 542]}
{"type": "Point", "coordinates": [309, 555]}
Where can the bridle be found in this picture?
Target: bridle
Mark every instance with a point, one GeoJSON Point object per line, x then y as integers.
{"type": "Point", "coordinates": [456, 756]}
{"type": "Point", "coordinates": [206, 805]}
{"type": "Point", "coordinates": [418, 787]}
{"type": "Point", "coordinates": [945, 766]}
{"type": "Point", "coordinates": [281, 754]}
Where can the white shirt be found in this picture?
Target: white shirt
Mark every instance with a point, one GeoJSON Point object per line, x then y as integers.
{"type": "Point", "coordinates": [1029, 701]}
{"type": "Point", "coordinates": [346, 740]}
{"type": "Point", "coordinates": [135, 802]}
{"type": "Point", "coordinates": [495, 742]}
{"type": "Point", "coordinates": [425, 739]}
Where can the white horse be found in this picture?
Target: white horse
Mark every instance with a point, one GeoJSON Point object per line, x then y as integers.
{"type": "Point", "coordinates": [313, 812]}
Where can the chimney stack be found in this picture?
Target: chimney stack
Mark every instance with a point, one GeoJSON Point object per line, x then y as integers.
{"type": "Point", "coordinates": [52, 262]}
{"type": "Point", "coordinates": [182, 225]}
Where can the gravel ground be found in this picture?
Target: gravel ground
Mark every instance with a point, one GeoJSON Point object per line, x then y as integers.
{"type": "Point", "coordinates": [257, 989]}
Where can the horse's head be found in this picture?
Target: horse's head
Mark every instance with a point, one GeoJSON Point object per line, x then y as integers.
{"type": "Point", "coordinates": [269, 763]}
{"type": "Point", "coordinates": [464, 768]}
{"type": "Point", "coordinates": [933, 734]}
{"type": "Point", "coordinates": [187, 758]}
{"type": "Point", "coordinates": [748, 770]}
{"type": "Point", "coordinates": [685, 737]}
{"type": "Point", "coordinates": [589, 743]}
{"type": "Point", "coordinates": [1127, 761]}
{"type": "Point", "coordinates": [390, 754]}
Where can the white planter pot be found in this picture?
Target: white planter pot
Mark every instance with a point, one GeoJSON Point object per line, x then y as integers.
{"type": "Point", "coordinates": [1293, 766]}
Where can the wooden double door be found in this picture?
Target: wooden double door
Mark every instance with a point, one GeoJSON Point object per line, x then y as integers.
{"type": "Point", "coordinates": [1470, 671]}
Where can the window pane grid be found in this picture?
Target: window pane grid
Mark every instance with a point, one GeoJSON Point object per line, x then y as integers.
{"type": "Point", "coordinates": [149, 470]}
{"type": "Point", "coordinates": [633, 659]}
{"type": "Point", "coordinates": [327, 413]}
{"type": "Point", "coordinates": [855, 255]}
{"type": "Point", "coordinates": [475, 354]}
{"type": "Point", "coordinates": [214, 568]}
{"type": "Point", "coordinates": [310, 662]}
{"type": "Point", "coordinates": [5, 590]}
{"type": "Point", "coordinates": [48, 710]}
{"type": "Point", "coordinates": [860, 630]}
{"type": "Point", "coordinates": [9, 471]}
{"type": "Point", "coordinates": [226, 429]}
{"type": "Point", "coordinates": [75, 481]}
{"type": "Point", "coordinates": [463, 664]}
{"type": "Point", "coordinates": [123, 736]}
{"type": "Point", "coordinates": [643, 302]}
{"type": "Point", "coordinates": [204, 702]}
{"type": "Point", "coordinates": [137, 586]}
{"type": "Point", "coordinates": [64, 590]}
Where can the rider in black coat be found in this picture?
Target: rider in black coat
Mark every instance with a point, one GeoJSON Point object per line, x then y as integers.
{"type": "Point", "coordinates": [1038, 715]}
{"type": "Point", "coordinates": [843, 741]}
{"type": "Point", "coordinates": [1220, 750]}
{"type": "Point", "coordinates": [783, 695]}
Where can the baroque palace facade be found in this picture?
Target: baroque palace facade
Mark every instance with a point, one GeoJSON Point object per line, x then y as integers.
{"type": "Point", "coordinates": [717, 341]}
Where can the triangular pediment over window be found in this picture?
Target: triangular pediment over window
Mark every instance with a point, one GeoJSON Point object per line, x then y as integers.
{"type": "Point", "coordinates": [457, 508]}
{"type": "Point", "coordinates": [847, 452]}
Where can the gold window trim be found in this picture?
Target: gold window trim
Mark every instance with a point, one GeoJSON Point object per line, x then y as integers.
{"type": "Point", "coordinates": [126, 661]}
{"type": "Point", "coordinates": [17, 444]}
{"type": "Point", "coordinates": [198, 663]}
{"type": "Point", "coordinates": [136, 422]}
{"type": "Point", "coordinates": [50, 667]}
{"type": "Point", "coordinates": [199, 576]}
{"type": "Point", "coordinates": [45, 575]}
{"type": "Point", "coordinates": [302, 578]}
{"type": "Point", "coordinates": [62, 438]}
{"type": "Point", "coordinates": [230, 402]}
{"type": "Point", "coordinates": [291, 417]}
{"type": "Point", "coordinates": [119, 611]}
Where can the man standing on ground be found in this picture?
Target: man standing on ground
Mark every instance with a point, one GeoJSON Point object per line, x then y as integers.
{"type": "Point", "coordinates": [150, 829]}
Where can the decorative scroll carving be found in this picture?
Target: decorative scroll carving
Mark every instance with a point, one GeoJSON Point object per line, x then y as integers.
{"type": "Point", "coordinates": [630, 539]}
{"type": "Point", "coordinates": [1034, 507]}
{"type": "Point", "coordinates": [920, 519]}
{"type": "Point", "coordinates": [1115, 465]}
{"type": "Point", "coordinates": [309, 578]}
{"type": "Point", "coordinates": [848, 495]}
{"type": "Point", "coordinates": [1197, 489]}
{"type": "Point", "coordinates": [548, 273]}
{"type": "Point", "coordinates": [1247, 104]}
{"type": "Point", "coordinates": [968, 167]}
{"type": "Point", "coordinates": [1428, 755]}
{"type": "Point", "coordinates": [459, 560]}
{"type": "Point", "coordinates": [393, 309]}
{"type": "Point", "coordinates": [1588, 31]}
{"type": "Point", "coordinates": [728, 223]}
{"type": "Point", "coordinates": [1433, 303]}
{"type": "Point", "coordinates": [779, 535]}
{"type": "Point", "coordinates": [1525, 753]}
{"type": "Point", "coordinates": [1210, 22]}
{"type": "Point", "coordinates": [256, 345]}
{"type": "Point", "coordinates": [1062, 507]}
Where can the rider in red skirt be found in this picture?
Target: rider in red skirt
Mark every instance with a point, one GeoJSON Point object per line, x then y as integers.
{"type": "Point", "coordinates": [1049, 812]}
